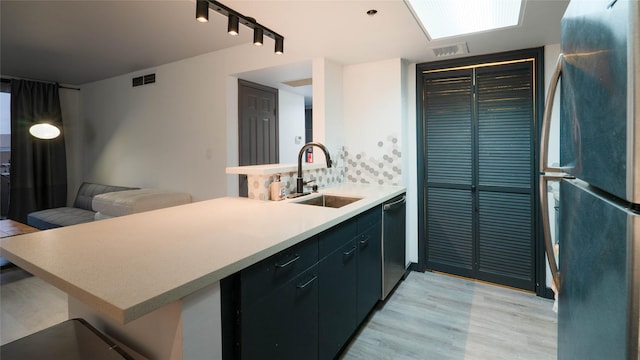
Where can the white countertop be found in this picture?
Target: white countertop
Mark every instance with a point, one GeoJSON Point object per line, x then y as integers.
{"type": "Point", "coordinates": [126, 267]}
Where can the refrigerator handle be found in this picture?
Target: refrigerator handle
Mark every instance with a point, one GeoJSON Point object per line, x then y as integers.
{"type": "Point", "coordinates": [548, 173]}
{"type": "Point", "coordinates": [546, 119]}
{"type": "Point", "coordinates": [546, 227]}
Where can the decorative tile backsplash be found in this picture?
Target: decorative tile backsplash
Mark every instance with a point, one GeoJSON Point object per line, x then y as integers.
{"type": "Point", "coordinates": [348, 167]}
{"type": "Point", "coordinates": [385, 170]}
{"type": "Point", "coordinates": [259, 184]}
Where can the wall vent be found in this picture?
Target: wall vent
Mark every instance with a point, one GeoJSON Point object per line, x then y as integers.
{"type": "Point", "coordinates": [143, 80]}
{"type": "Point", "coordinates": [149, 79]}
{"type": "Point", "coordinates": [450, 50]}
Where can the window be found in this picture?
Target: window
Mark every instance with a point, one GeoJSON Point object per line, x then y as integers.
{"type": "Point", "coordinates": [5, 151]}
{"type": "Point", "coordinates": [447, 18]}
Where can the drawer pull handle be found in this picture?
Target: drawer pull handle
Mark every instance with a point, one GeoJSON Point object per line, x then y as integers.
{"type": "Point", "coordinates": [282, 266]}
{"type": "Point", "coordinates": [350, 252]}
{"type": "Point", "coordinates": [302, 286]}
{"type": "Point", "coordinates": [365, 241]}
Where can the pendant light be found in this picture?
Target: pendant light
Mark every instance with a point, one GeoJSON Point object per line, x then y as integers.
{"type": "Point", "coordinates": [202, 11]}
{"type": "Point", "coordinates": [232, 28]}
{"type": "Point", "coordinates": [279, 45]}
{"type": "Point", "coordinates": [44, 131]}
{"type": "Point", "coordinates": [258, 36]}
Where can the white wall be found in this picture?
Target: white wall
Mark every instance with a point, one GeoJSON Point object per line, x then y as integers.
{"type": "Point", "coordinates": [410, 165]}
{"type": "Point", "coordinates": [372, 105]}
{"type": "Point", "coordinates": [291, 125]}
{"type": "Point", "coordinates": [72, 128]}
{"type": "Point", "coordinates": [328, 102]}
{"type": "Point", "coordinates": [179, 133]}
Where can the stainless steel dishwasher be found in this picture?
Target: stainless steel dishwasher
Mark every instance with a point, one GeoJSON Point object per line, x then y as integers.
{"type": "Point", "coordinates": [393, 243]}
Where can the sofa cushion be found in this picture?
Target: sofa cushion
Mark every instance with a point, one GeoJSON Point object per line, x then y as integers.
{"type": "Point", "coordinates": [134, 201]}
{"type": "Point", "coordinates": [58, 217]}
{"type": "Point", "coordinates": [87, 191]}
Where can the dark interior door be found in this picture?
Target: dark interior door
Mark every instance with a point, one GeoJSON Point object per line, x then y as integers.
{"type": "Point", "coordinates": [479, 173]}
{"type": "Point", "coordinates": [257, 128]}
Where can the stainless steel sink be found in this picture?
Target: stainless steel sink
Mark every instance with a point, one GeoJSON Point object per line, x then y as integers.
{"type": "Point", "coordinates": [332, 201]}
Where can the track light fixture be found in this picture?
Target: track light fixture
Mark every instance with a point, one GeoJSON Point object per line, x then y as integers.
{"type": "Point", "coordinates": [234, 21]}
{"type": "Point", "coordinates": [202, 11]}
{"type": "Point", "coordinates": [258, 37]}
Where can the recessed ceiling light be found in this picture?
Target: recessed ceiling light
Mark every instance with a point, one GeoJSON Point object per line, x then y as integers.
{"type": "Point", "coordinates": [447, 18]}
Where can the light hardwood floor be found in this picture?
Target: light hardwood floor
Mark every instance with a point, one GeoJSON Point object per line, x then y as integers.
{"type": "Point", "coordinates": [435, 316]}
{"type": "Point", "coordinates": [429, 316]}
{"type": "Point", "coordinates": [28, 304]}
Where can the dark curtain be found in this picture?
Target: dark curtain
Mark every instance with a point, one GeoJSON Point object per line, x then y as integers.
{"type": "Point", "coordinates": [38, 177]}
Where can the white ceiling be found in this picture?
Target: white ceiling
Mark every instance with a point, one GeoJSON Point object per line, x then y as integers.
{"type": "Point", "coordinates": [75, 42]}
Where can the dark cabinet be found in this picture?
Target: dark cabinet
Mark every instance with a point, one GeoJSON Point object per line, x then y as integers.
{"type": "Point", "coordinates": [308, 300]}
{"type": "Point", "coordinates": [337, 304]}
{"type": "Point", "coordinates": [369, 272]}
{"type": "Point", "coordinates": [283, 324]}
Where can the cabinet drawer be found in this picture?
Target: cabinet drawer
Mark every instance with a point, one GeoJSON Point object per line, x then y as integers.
{"type": "Point", "coordinates": [266, 276]}
{"type": "Point", "coordinates": [369, 218]}
{"type": "Point", "coordinates": [284, 324]}
{"type": "Point", "coordinates": [336, 237]}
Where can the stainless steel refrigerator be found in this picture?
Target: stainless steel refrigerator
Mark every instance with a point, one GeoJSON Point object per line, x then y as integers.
{"type": "Point", "coordinates": [599, 199]}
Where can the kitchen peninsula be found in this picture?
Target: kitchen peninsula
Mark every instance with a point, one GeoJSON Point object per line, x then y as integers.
{"type": "Point", "coordinates": [152, 280]}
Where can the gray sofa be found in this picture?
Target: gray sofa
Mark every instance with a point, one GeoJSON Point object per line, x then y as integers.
{"type": "Point", "coordinates": [81, 212]}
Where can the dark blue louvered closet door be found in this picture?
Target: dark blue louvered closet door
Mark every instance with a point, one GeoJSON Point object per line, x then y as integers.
{"type": "Point", "coordinates": [479, 132]}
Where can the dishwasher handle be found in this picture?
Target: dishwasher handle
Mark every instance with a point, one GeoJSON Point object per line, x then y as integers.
{"type": "Point", "coordinates": [395, 204]}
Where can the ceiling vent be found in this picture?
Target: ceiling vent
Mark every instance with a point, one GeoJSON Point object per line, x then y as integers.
{"type": "Point", "coordinates": [143, 80]}
{"type": "Point", "coordinates": [451, 50]}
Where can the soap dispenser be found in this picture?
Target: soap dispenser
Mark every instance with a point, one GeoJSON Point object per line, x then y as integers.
{"type": "Point", "coordinates": [276, 189]}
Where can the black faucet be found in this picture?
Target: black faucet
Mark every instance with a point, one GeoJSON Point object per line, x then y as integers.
{"type": "Point", "coordinates": [300, 181]}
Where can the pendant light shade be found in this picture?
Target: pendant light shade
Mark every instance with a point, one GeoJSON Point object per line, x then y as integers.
{"type": "Point", "coordinates": [279, 45]}
{"type": "Point", "coordinates": [44, 131]}
{"type": "Point", "coordinates": [258, 37]}
{"type": "Point", "coordinates": [202, 11]}
{"type": "Point", "coordinates": [233, 25]}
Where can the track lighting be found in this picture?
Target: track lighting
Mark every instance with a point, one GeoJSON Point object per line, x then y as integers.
{"type": "Point", "coordinates": [202, 11]}
{"type": "Point", "coordinates": [232, 28]}
{"type": "Point", "coordinates": [258, 37]}
{"type": "Point", "coordinates": [279, 45]}
{"type": "Point", "coordinates": [234, 21]}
